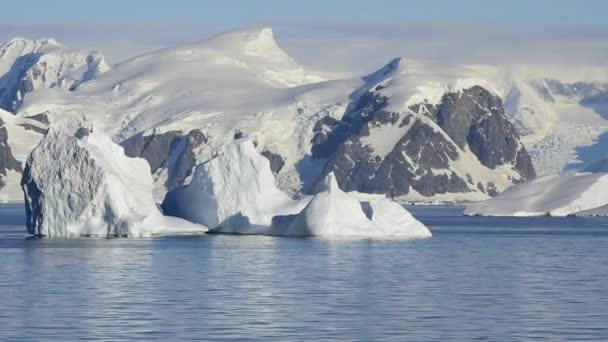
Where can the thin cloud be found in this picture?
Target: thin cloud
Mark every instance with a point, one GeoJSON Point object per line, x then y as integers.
{"type": "Point", "coordinates": [358, 47]}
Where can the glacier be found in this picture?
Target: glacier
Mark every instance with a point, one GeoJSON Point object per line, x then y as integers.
{"type": "Point", "coordinates": [554, 195]}
{"type": "Point", "coordinates": [77, 182]}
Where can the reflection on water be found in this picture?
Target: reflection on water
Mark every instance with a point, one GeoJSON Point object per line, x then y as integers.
{"type": "Point", "coordinates": [496, 279]}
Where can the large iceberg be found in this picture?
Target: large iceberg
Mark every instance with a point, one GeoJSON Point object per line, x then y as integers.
{"type": "Point", "coordinates": [554, 195]}
{"type": "Point", "coordinates": [334, 213]}
{"type": "Point", "coordinates": [77, 182]}
{"type": "Point", "coordinates": [234, 192]}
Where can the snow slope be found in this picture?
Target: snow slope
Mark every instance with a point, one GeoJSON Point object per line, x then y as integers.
{"type": "Point", "coordinates": [77, 182]}
{"type": "Point", "coordinates": [242, 83]}
{"type": "Point", "coordinates": [564, 123]}
{"type": "Point", "coordinates": [554, 195]}
{"type": "Point", "coordinates": [27, 65]}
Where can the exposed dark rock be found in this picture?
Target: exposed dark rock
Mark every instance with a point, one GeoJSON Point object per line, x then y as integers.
{"type": "Point", "coordinates": [408, 165]}
{"type": "Point", "coordinates": [238, 135]}
{"type": "Point", "coordinates": [491, 189]}
{"type": "Point", "coordinates": [34, 128]}
{"type": "Point", "coordinates": [81, 133]}
{"type": "Point", "coordinates": [7, 160]}
{"type": "Point", "coordinates": [276, 161]}
{"type": "Point", "coordinates": [330, 133]}
{"type": "Point", "coordinates": [12, 94]}
{"type": "Point", "coordinates": [42, 117]}
{"type": "Point", "coordinates": [421, 160]}
{"type": "Point", "coordinates": [475, 118]}
{"type": "Point", "coordinates": [171, 150]}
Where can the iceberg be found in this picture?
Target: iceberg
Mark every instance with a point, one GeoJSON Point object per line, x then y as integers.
{"type": "Point", "coordinates": [234, 192]}
{"type": "Point", "coordinates": [334, 213]}
{"type": "Point", "coordinates": [554, 195]}
{"type": "Point", "coordinates": [77, 182]}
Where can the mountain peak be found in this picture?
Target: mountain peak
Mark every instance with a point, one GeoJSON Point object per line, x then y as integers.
{"type": "Point", "coordinates": [256, 42]}
{"type": "Point", "coordinates": [396, 65]}
{"type": "Point", "coordinates": [37, 43]}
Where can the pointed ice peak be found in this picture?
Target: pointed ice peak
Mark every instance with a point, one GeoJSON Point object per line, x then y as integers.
{"type": "Point", "coordinates": [256, 42]}
{"type": "Point", "coordinates": [395, 66]}
{"type": "Point", "coordinates": [330, 183]}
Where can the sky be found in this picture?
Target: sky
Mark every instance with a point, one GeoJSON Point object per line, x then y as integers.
{"type": "Point", "coordinates": [344, 36]}
{"type": "Point", "coordinates": [233, 13]}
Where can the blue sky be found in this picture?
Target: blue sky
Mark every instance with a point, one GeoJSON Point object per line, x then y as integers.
{"type": "Point", "coordinates": [233, 13]}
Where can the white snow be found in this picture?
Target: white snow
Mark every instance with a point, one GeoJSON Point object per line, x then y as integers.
{"type": "Point", "coordinates": [232, 193]}
{"type": "Point", "coordinates": [46, 64]}
{"type": "Point", "coordinates": [23, 134]}
{"type": "Point", "coordinates": [87, 187]}
{"type": "Point", "coordinates": [334, 213]}
{"type": "Point", "coordinates": [235, 193]}
{"type": "Point", "coordinates": [554, 195]}
{"type": "Point", "coordinates": [243, 80]}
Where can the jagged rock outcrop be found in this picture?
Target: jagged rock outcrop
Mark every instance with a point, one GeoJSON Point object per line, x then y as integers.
{"type": "Point", "coordinates": [171, 152]}
{"type": "Point", "coordinates": [7, 160]}
{"type": "Point", "coordinates": [374, 149]}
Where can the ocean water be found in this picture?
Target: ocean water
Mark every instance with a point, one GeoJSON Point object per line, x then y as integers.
{"type": "Point", "coordinates": [498, 279]}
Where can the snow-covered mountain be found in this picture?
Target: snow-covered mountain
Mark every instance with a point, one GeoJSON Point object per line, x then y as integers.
{"type": "Point", "coordinates": [27, 65]}
{"type": "Point", "coordinates": [424, 130]}
{"type": "Point", "coordinates": [176, 107]}
{"type": "Point", "coordinates": [412, 129]}
{"type": "Point", "coordinates": [564, 125]}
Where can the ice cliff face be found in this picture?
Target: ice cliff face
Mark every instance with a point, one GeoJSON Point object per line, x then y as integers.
{"type": "Point", "coordinates": [77, 182]}
{"type": "Point", "coordinates": [233, 191]}
{"type": "Point", "coordinates": [26, 65]}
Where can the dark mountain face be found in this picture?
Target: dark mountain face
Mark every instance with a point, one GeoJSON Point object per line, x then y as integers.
{"type": "Point", "coordinates": [434, 137]}
{"type": "Point", "coordinates": [19, 82]}
{"type": "Point", "coordinates": [171, 150]}
{"type": "Point", "coordinates": [7, 160]}
{"type": "Point", "coordinates": [475, 118]}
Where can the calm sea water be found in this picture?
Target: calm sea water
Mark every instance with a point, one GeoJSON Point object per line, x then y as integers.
{"type": "Point", "coordinates": [478, 278]}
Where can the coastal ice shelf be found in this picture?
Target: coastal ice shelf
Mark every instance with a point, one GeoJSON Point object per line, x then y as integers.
{"type": "Point", "coordinates": [578, 194]}
{"type": "Point", "coordinates": [77, 182]}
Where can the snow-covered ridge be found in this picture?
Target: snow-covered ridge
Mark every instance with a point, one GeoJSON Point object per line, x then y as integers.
{"type": "Point", "coordinates": [242, 82]}
{"type": "Point", "coordinates": [27, 65]}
